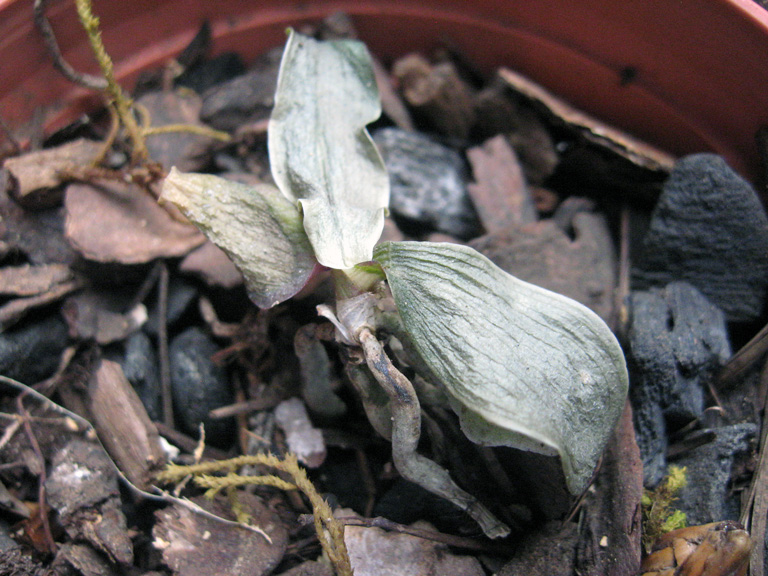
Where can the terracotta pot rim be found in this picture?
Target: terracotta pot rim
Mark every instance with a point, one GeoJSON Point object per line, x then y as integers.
{"type": "Point", "coordinates": [700, 74]}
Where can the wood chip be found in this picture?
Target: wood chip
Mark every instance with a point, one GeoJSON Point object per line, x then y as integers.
{"type": "Point", "coordinates": [119, 222]}
{"type": "Point", "coordinates": [31, 280]}
{"type": "Point", "coordinates": [35, 175]}
{"type": "Point", "coordinates": [613, 511]}
{"type": "Point", "coordinates": [98, 316]}
{"type": "Point", "coordinates": [210, 263]}
{"type": "Point", "coordinates": [499, 193]}
{"type": "Point", "coordinates": [437, 94]}
{"type": "Point", "coordinates": [188, 152]}
{"type": "Point", "coordinates": [542, 253]}
{"type": "Point", "coordinates": [196, 545]}
{"type": "Point", "coordinates": [123, 425]}
{"type": "Point", "coordinates": [636, 151]}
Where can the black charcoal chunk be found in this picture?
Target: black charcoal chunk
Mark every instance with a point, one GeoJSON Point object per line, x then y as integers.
{"type": "Point", "coordinates": [708, 496]}
{"type": "Point", "coordinates": [199, 386]}
{"type": "Point", "coordinates": [213, 72]}
{"type": "Point", "coordinates": [245, 99]}
{"type": "Point", "coordinates": [677, 341]}
{"type": "Point", "coordinates": [140, 366]}
{"type": "Point", "coordinates": [31, 353]}
{"type": "Point", "coordinates": [710, 229]}
{"type": "Point", "coordinates": [427, 183]}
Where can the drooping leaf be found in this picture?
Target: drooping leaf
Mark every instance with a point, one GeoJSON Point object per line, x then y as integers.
{"type": "Point", "coordinates": [256, 226]}
{"type": "Point", "coordinates": [524, 367]}
{"type": "Point", "coordinates": [321, 155]}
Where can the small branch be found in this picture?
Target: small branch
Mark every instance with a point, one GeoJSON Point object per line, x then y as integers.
{"type": "Point", "coordinates": [87, 80]}
{"type": "Point", "coordinates": [42, 503]}
{"type": "Point", "coordinates": [162, 345]}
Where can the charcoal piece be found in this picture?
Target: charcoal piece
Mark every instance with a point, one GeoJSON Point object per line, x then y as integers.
{"type": "Point", "coordinates": [428, 183]}
{"type": "Point", "coordinates": [245, 99]}
{"type": "Point", "coordinates": [209, 73]}
{"type": "Point", "coordinates": [31, 353]}
{"type": "Point", "coordinates": [199, 386]}
{"type": "Point", "coordinates": [406, 502]}
{"type": "Point", "coordinates": [708, 495]}
{"type": "Point", "coordinates": [710, 229]}
{"type": "Point", "coordinates": [677, 341]}
{"type": "Point", "coordinates": [140, 366]}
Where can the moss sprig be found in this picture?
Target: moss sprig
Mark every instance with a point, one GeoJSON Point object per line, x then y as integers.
{"type": "Point", "coordinates": [659, 516]}
{"type": "Point", "coordinates": [329, 530]}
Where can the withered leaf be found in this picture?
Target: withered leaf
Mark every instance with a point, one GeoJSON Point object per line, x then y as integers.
{"type": "Point", "coordinates": [256, 226]}
{"type": "Point", "coordinates": [321, 155]}
{"type": "Point", "coordinates": [523, 366]}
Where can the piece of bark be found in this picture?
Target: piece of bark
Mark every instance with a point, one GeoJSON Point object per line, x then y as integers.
{"type": "Point", "coordinates": [123, 425]}
{"type": "Point", "coordinates": [374, 552]}
{"type": "Point", "coordinates": [82, 488]}
{"type": "Point", "coordinates": [302, 438]}
{"type": "Point", "coordinates": [15, 310]}
{"type": "Point", "coordinates": [499, 193]}
{"type": "Point", "coordinates": [211, 263]}
{"type": "Point", "coordinates": [608, 137]}
{"type": "Point", "coordinates": [84, 559]}
{"type": "Point", "coordinates": [120, 222]}
{"type": "Point", "coordinates": [29, 280]}
{"type": "Point", "coordinates": [610, 541]}
{"type": "Point", "coordinates": [436, 93]}
{"type": "Point", "coordinates": [186, 151]}
{"type": "Point", "coordinates": [97, 315]}
{"type": "Point", "coordinates": [38, 234]}
{"type": "Point", "coordinates": [35, 176]}
{"type": "Point", "coordinates": [499, 112]}
{"type": "Point", "coordinates": [543, 254]}
{"type": "Point", "coordinates": [196, 545]}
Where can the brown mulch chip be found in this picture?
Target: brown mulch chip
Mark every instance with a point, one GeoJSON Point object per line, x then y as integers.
{"type": "Point", "coordinates": [196, 545]}
{"type": "Point", "coordinates": [119, 222]}
{"type": "Point", "coordinates": [210, 263]}
{"type": "Point", "coordinates": [374, 552]}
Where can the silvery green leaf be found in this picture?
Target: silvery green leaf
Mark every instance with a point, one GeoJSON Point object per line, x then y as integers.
{"type": "Point", "coordinates": [320, 153]}
{"type": "Point", "coordinates": [256, 226]}
{"type": "Point", "coordinates": [524, 367]}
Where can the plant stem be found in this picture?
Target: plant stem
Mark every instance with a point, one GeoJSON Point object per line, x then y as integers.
{"type": "Point", "coordinates": [406, 430]}
{"type": "Point", "coordinates": [120, 103]}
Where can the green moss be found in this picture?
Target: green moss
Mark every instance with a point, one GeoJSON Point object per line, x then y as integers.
{"type": "Point", "coordinates": [659, 517]}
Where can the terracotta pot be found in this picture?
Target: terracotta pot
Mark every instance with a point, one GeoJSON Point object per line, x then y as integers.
{"type": "Point", "coordinates": [700, 77]}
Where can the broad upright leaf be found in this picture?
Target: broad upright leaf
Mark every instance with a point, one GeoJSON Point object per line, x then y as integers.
{"type": "Point", "coordinates": [256, 226]}
{"type": "Point", "coordinates": [524, 367]}
{"type": "Point", "coordinates": [320, 153]}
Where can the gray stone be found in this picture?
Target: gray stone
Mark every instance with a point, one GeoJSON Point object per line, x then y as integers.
{"type": "Point", "coordinates": [710, 229]}
{"type": "Point", "coordinates": [199, 386]}
{"type": "Point", "coordinates": [677, 340]}
{"type": "Point", "coordinates": [428, 183]}
{"type": "Point", "coordinates": [708, 497]}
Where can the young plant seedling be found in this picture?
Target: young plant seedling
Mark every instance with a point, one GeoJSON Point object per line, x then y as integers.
{"type": "Point", "coordinates": [521, 366]}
